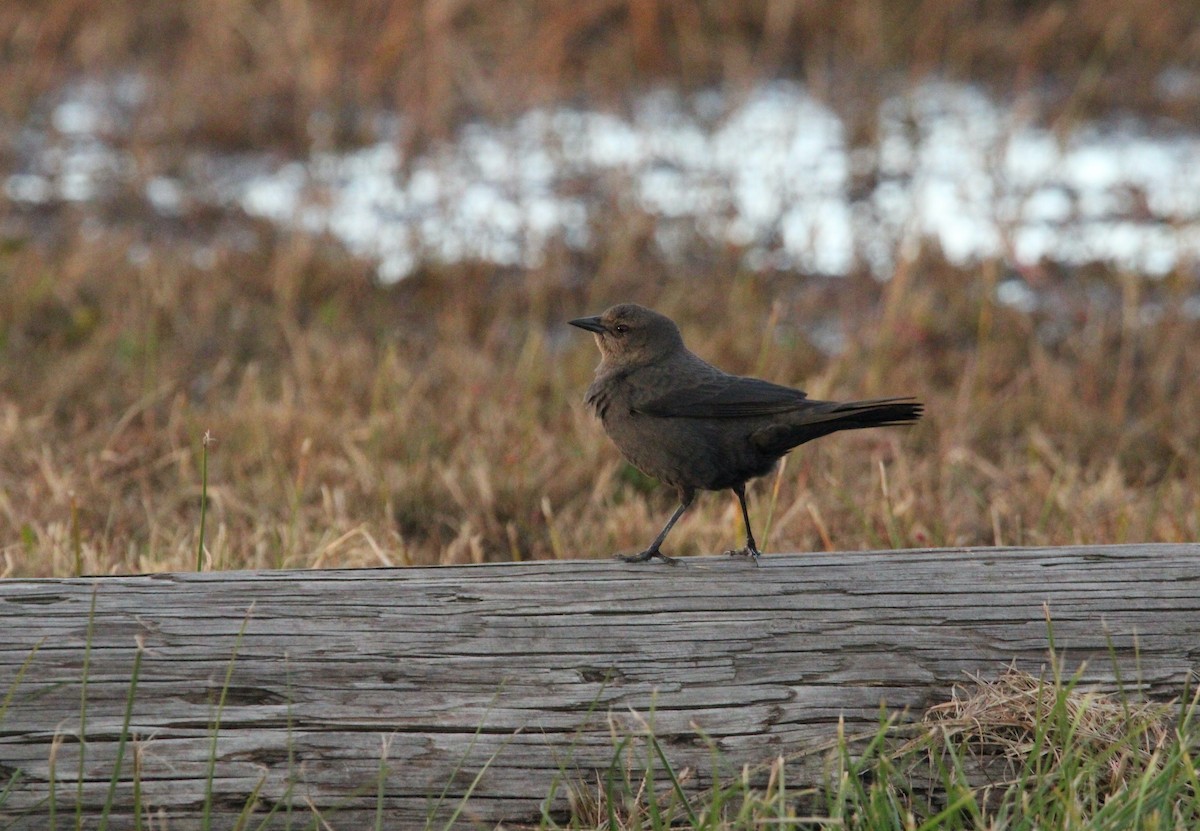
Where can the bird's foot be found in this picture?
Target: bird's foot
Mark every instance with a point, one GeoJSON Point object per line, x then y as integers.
{"type": "Point", "coordinates": [748, 551]}
{"type": "Point", "coordinates": [647, 555]}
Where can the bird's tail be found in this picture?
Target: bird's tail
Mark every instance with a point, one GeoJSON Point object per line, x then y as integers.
{"type": "Point", "coordinates": [821, 418]}
{"type": "Point", "coordinates": [881, 412]}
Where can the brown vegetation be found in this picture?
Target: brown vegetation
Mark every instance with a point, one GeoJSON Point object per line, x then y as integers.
{"type": "Point", "coordinates": [246, 73]}
{"type": "Point", "coordinates": [440, 420]}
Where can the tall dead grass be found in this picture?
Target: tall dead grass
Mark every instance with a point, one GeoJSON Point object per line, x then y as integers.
{"type": "Point", "coordinates": [304, 73]}
{"type": "Point", "coordinates": [440, 420]}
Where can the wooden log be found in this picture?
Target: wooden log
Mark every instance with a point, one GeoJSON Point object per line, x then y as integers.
{"type": "Point", "coordinates": [358, 690]}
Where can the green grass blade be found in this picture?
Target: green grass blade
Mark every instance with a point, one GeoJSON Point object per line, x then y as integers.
{"type": "Point", "coordinates": [205, 442]}
{"type": "Point", "coordinates": [83, 685]}
{"type": "Point", "coordinates": [206, 818]}
{"type": "Point", "coordinates": [248, 807]}
{"type": "Point", "coordinates": [121, 741]}
{"type": "Point", "coordinates": [676, 785]}
{"type": "Point", "coordinates": [381, 783]}
{"type": "Point", "coordinates": [16, 682]}
{"type": "Point", "coordinates": [450, 823]}
{"type": "Point", "coordinates": [466, 754]}
{"type": "Point", "coordinates": [52, 782]}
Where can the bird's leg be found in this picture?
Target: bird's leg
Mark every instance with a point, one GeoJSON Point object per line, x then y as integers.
{"type": "Point", "coordinates": [685, 499]}
{"type": "Point", "coordinates": [751, 549]}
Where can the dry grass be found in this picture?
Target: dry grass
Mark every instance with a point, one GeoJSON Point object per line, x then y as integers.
{"type": "Point", "coordinates": [1067, 758]}
{"type": "Point", "coordinates": [1009, 716]}
{"type": "Point", "coordinates": [440, 420]}
{"type": "Point", "coordinates": [298, 73]}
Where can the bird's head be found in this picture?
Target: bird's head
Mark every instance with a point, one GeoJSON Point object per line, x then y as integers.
{"type": "Point", "coordinates": [632, 335]}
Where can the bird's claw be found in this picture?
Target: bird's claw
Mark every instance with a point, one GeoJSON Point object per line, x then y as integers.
{"type": "Point", "coordinates": [752, 553]}
{"type": "Point", "coordinates": [646, 556]}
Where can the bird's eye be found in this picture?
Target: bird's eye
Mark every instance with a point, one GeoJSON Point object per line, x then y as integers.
{"type": "Point", "coordinates": [620, 328]}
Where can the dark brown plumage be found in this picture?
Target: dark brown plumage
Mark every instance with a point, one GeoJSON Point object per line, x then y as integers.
{"type": "Point", "coordinates": [692, 426]}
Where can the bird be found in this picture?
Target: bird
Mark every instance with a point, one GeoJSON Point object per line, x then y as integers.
{"type": "Point", "coordinates": [694, 427]}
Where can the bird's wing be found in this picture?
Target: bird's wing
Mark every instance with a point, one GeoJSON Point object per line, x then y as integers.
{"type": "Point", "coordinates": [723, 396]}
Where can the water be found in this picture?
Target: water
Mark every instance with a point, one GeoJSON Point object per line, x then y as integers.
{"type": "Point", "coordinates": [772, 173]}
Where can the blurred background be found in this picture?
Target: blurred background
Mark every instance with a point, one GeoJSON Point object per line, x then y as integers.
{"type": "Point", "coordinates": [344, 238]}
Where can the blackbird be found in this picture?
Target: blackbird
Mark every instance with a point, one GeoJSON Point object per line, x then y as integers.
{"type": "Point", "coordinates": [686, 423]}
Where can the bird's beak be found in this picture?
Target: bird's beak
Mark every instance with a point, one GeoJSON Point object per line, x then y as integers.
{"type": "Point", "coordinates": [592, 324]}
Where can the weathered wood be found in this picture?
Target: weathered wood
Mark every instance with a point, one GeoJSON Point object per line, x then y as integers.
{"type": "Point", "coordinates": [524, 666]}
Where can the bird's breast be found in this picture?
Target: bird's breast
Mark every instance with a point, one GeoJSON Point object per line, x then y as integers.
{"type": "Point", "coordinates": [606, 394]}
{"type": "Point", "coordinates": [598, 398]}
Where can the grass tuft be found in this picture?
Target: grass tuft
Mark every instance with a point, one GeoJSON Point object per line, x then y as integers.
{"type": "Point", "coordinates": [1073, 758]}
